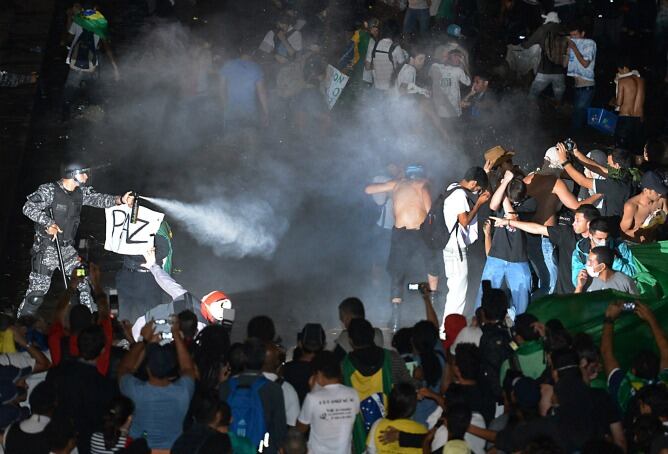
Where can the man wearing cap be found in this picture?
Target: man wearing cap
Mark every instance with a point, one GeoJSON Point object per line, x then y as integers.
{"type": "Point", "coordinates": [55, 208]}
{"type": "Point", "coordinates": [645, 212]}
{"type": "Point", "coordinates": [411, 202]}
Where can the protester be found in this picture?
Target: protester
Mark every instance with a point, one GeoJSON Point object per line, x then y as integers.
{"type": "Point", "coordinates": [446, 74]}
{"type": "Point", "coordinates": [630, 102]}
{"type": "Point", "coordinates": [330, 409]}
{"type": "Point", "coordinates": [646, 212]}
{"type": "Point", "coordinates": [550, 72]}
{"type": "Point", "coordinates": [299, 371]}
{"type": "Point", "coordinates": [581, 66]}
{"type": "Point", "coordinates": [160, 403]}
{"type": "Point", "coordinates": [596, 277]}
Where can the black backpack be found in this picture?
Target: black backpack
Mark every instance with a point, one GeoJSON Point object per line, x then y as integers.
{"type": "Point", "coordinates": [494, 350]}
{"type": "Point", "coordinates": [84, 52]}
{"type": "Point", "coordinates": [433, 229]}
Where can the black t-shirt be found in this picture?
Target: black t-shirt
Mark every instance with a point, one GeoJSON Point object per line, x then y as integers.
{"type": "Point", "coordinates": [510, 244]}
{"type": "Point", "coordinates": [615, 194]}
{"type": "Point", "coordinates": [298, 373]}
{"type": "Point", "coordinates": [563, 238]}
{"type": "Point", "coordinates": [605, 412]}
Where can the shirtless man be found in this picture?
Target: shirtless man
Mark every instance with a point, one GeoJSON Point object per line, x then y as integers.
{"type": "Point", "coordinates": [629, 101]}
{"type": "Point", "coordinates": [640, 210]}
{"type": "Point", "coordinates": [549, 193]}
{"type": "Point", "coordinates": [411, 203]}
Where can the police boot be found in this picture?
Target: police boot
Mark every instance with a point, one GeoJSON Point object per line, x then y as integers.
{"type": "Point", "coordinates": [30, 304]}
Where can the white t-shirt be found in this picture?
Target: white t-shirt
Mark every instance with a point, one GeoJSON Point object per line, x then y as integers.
{"type": "Point", "coordinates": [330, 411]}
{"type": "Point", "coordinates": [446, 91]}
{"type": "Point", "coordinates": [294, 38]}
{"type": "Point", "coordinates": [383, 68]}
{"type": "Point", "coordinates": [587, 48]}
{"type": "Point", "coordinates": [453, 206]}
{"type": "Point", "coordinates": [290, 397]}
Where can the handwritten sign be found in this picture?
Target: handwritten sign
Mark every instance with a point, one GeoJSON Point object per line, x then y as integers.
{"type": "Point", "coordinates": [336, 82]}
{"type": "Point", "coordinates": [126, 238]}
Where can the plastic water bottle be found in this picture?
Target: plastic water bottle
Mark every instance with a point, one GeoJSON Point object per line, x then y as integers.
{"type": "Point", "coordinates": [395, 323]}
{"type": "Point", "coordinates": [241, 428]}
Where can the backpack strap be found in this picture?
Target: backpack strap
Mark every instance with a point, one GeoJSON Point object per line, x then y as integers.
{"type": "Point", "coordinates": [373, 52]}
{"type": "Point", "coordinates": [455, 228]}
{"type": "Point", "coordinates": [259, 382]}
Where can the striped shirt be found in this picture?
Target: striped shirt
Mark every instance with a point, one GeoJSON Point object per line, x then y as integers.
{"type": "Point", "coordinates": [97, 445]}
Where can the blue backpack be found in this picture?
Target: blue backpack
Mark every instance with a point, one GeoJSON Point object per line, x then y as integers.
{"type": "Point", "coordinates": [247, 409]}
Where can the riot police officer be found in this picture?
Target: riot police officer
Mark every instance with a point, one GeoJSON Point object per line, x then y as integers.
{"type": "Point", "coordinates": [55, 208]}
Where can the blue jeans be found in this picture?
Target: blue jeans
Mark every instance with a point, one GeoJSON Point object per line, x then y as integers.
{"type": "Point", "coordinates": [518, 280]}
{"type": "Point", "coordinates": [415, 17]}
{"type": "Point", "coordinates": [581, 102]}
{"type": "Point", "coordinates": [540, 252]}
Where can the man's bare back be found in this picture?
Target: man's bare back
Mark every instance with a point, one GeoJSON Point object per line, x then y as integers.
{"type": "Point", "coordinates": [411, 203]}
{"type": "Point", "coordinates": [636, 211]}
{"type": "Point", "coordinates": [631, 96]}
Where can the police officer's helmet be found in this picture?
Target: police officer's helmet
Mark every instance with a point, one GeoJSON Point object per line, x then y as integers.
{"type": "Point", "coordinates": [72, 169]}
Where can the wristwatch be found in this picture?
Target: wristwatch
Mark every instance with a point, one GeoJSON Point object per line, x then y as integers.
{"type": "Point", "coordinates": [565, 163]}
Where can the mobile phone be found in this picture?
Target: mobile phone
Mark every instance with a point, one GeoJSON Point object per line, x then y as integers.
{"type": "Point", "coordinates": [413, 286]}
{"type": "Point", "coordinates": [81, 271]}
{"type": "Point", "coordinates": [629, 306]}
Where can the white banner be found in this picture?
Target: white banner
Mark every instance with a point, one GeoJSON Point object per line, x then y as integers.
{"type": "Point", "coordinates": [126, 238]}
{"type": "Point", "coordinates": [336, 81]}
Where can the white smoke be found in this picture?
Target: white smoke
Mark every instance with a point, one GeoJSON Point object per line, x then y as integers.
{"type": "Point", "coordinates": [237, 228]}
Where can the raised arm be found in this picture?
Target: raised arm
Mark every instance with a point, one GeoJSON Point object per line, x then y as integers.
{"type": "Point", "coordinates": [590, 163]}
{"type": "Point", "coordinates": [134, 357]}
{"type": "Point", "coordinates": [500, 193]}
{"type": "Point", "coordinates": [610, 363]}
{"type": "Point", "coordinates": [377, 188]}
{"type": "Point", "coordinates": [466, 217]}
{"type": "Point", "coordinates": [566, 196]}
{"type": "Point", "coordinates": [645, 313]}
{"type": "Point", "coordinates": [164, 280]}
{"type": "Point", "coordinates": [186, 363]}
{"type": "Point", "coordinates": [95, 199]}
{"type": "Point", "coordinates": [42, 363]}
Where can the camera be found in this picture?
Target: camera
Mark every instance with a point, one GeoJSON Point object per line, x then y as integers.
{"type": "Point", "coordinates": [629, 306]}
{"type": "Point", "coordinates": [570, 145]}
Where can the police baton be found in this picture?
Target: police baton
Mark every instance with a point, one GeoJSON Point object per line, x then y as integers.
{"type": "Point", "coordinates": [60, 254]}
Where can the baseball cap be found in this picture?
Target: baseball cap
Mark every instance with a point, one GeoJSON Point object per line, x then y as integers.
{"type": "Point", "coordinates": [455, 31]}
{"type": "Point", "coordinates": [313, 337]}
{"type": "Point", "coordinates": [452, 325]}
{"type": "Point", "coordinates": [652, 180]}
{"type": "Point", "coordinates": [160, 359]}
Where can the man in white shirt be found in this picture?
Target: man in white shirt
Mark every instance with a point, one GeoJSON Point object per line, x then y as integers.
{"type": "Point", "coordinates": [329, 410]}
{"type": "Point", "coordinates": [446, 78]}
{"type": "Point", "coordinates": [581, 63]}
{"type": "Point", "coordinates": [405, 83]}
{"type": "Point", "coordinates": [461, 219]}
{"type": "Point", "coordinates": [384, 58]}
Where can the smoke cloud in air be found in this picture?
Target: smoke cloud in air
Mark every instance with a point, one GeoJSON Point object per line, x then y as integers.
{"type": "Point", "coordinates": [227, 228]}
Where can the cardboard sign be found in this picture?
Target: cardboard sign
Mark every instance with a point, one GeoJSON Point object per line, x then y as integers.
{"type": "Point", "coordinates": [336, 82]}
{"type": "Point", "coordinates": [126, 238]}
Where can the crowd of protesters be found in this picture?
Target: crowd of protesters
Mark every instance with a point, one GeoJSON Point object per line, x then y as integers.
{"type": "Point", "coordinates": [480, 372]}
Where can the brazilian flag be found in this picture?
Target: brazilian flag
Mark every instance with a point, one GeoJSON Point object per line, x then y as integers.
{"type": "Point", "coordinates": [585, 312]}
{"type": "Point", "coordinates": [93, 21]}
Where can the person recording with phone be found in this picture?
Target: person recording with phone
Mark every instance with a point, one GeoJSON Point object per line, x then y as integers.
{"type": "Point", "coordinates": [599, 275]}
{"type": "Point", "coordinates": [55, 208]}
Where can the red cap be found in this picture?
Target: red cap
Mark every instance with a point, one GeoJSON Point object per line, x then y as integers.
{"type": "Point", "coordinates": [452, 325]}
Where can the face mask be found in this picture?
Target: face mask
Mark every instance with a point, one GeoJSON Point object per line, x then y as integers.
{"type": "Point", "coordinates": [600, 242]}
{"type": "Point", "coordinates": [591, 272]}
